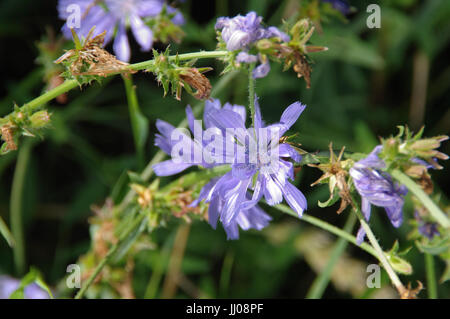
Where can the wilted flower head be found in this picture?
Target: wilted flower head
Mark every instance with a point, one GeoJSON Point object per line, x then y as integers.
{"type": "Point", "coordinates": [8, 285]}
{"type": "Point", "coordinates": [377, 188]}
{"type": "Point", "coordinates": [112, 15]}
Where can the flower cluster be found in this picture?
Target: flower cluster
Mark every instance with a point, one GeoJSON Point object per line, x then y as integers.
{"type": "Point", "coordinates": [242, 32]}
{"type": "Point", "coordinates": [260, 165]}
{"type": "Point", "coordinates": [377, 188]}
{"type": "Point", "coordinates": [114, 16]}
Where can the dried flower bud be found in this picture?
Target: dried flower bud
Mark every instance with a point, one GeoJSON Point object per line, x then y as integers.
{"type": "Point", "coordinates": [198, 81]}
{"type": "Point", "coordinates": [7, 131]}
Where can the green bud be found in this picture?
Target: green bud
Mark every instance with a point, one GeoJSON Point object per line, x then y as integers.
{"type": "Point", "coordinates": [400, 265]}
{"type": "Point", "coordinates": [40, 119]}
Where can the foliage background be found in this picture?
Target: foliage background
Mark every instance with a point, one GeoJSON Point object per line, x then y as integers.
{"type": "Point", "coordinates": [361, 89]}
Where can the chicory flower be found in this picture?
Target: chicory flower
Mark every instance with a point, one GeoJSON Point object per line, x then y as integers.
{"type": "Point", "coordinates": [377, 188]}
{"type": "Point", "coordinates": [114, 16]}
{"type": "Point", "coordinates": [8, 285]}
{"type": "Point", "coordinates": [241, 32]}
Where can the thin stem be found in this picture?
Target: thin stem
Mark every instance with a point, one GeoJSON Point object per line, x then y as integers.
{"type": "Point", "coordinates": [434, 210]}
{"type": "Point", "coordinates": [139, 123]}
{"type": "Point", "coordinates": [251, 92]}
{"type": "Point", "coordinates": [16, 210]}
{"type": "Point", "coordinates": [68, 85]}
{"type": "Point", "coordinates": [182, 57]}
{"type": "Point", "coordinates": [136, 223]}
{"type": "Point", "coordinates": [321, 282]}
{"type": "Point", "coordinates": [6, 233]}
{"type": "Point", "coordinates": [381, 255]}
{"type": "Point", "coordinates": [328, 227]}
{"type": "Point", "coordinates": [431, 276]}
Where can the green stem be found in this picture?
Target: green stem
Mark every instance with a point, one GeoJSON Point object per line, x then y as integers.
{"type": "Point", "coordinates": [182, 57]}
{"type": "Point", "coordinates": [251, 93]}
{"type": "Point", "coordinates": [381, 255]}
{"type": "Point", "coordinates": [68, 85]}
{"type": "Point", "coordinates": [431, 276]}
{"type": "Point", "coordinates": [139, 122]}
{"type": "Point", "coordinates": [434, 210]}
{"type": "Point", "coordinates": [330, 228]}
{"type": "Point", "coordinates": [135, 224]}
{"type": "Point", "coordinates": [321, 282]}
{"type": "Point", "coordinates": [16, 210]}
{"type": "Point", "coordinates": [6, 233]}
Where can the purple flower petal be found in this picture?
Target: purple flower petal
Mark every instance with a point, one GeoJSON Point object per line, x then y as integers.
{"type": "Point", "coordinates": [121, 46]}
{"type": "Point", "coordinates": [142, 33]}
{"type": "Point", "coordinates": [169, 167]}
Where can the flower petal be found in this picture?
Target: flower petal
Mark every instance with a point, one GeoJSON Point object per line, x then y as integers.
{"type": "Point", "coordinates": [169, 167]}
{"type": "Point", "coordinates": [121, 46]}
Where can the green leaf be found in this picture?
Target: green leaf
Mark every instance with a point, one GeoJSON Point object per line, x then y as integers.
{"type": "Point", "coordinates": [33, 276]}
{"type": "Point", "coordinates": [435, 247]}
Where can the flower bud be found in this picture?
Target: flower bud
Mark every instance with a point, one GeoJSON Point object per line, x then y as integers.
{"type": "Point", "coordinates": [40, 119]}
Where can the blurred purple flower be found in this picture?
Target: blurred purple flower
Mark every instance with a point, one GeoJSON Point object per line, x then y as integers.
{"type": "Point", "coordinates": [116, 15]}
{"type": "Point", "coordinates": [377, 188]}
{"type": "Point", "coordinates": [340, 5]}
{"type": "Point", "coordinates": [427, 229]}
{"type": "Point", "coordinates": [8, 285]}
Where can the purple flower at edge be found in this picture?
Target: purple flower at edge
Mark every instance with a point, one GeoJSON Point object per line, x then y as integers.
{"type": "Point", "coordinates": [114, 20]}
{"type": "Point", "coordinates": [8, 285]}
{"type": "Point", "coordinates": [377, 188]}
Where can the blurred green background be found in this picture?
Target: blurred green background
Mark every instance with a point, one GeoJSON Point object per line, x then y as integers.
{"type": "Point", "coordinates": [370, 81]}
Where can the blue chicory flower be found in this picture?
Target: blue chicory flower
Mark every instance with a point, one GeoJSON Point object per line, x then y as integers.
{"type": "Point", "coordinates": [241, 32]}
{"type": "Point", "coordinates": [113, 16]}
{"type": "Point", "coordinates": [8, 285]}
{"type": "Point", "coordinates": [229, 196]}
{"type": "Point", "coordinates": [377, 188]}
{"type": "Point", "coordinates": [265, 169]}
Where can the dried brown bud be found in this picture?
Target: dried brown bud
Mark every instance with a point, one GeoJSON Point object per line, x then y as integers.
{"type": "Point", "coordinates": [198, 81]}
{"type": "Point", "coordinates": [7, 131]}
{"type": "Point", "coordinates": [92, 59]}
{"type": "Point", "coordinates": [410, 293]}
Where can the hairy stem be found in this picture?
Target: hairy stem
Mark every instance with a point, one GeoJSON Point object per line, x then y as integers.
{"type": "Point", "coordinates": [251, 92]}
{"type": "Point", "coordinates": [434, 210]}
{"type": "Point", "coordinates": [381, 255]}
{"type": "Point", "coordinates": [68, 85]}
{"type": "Point", "coordinates": [16, 209]}
{"type": "Point", "coordinates": [321, 282]}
